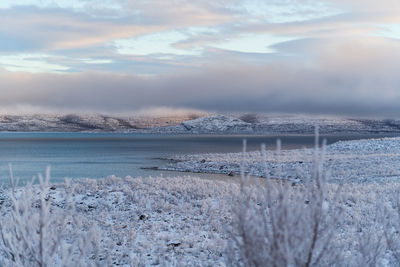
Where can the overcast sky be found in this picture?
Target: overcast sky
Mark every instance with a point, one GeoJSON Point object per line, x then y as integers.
{"type": "Point", "coordinates": [117, 56]}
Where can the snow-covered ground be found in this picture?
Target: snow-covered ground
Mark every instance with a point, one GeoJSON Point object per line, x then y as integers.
{"type": "Point", "coordinates": [177, 221]}
{"type": "Point", "coordinates": [347, 161]}
{"type": "Point", "coordinates": [183, 221]}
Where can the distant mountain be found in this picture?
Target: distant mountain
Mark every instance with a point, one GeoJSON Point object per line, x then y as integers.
{"type": "Point", "coordinates": [85, 122]}
{"type": "Point", "coordinates": [190, 124]}
{"type": "Point", "coordinates": [264, 124]}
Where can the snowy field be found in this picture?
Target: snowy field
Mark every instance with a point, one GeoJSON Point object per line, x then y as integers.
{"type": "Point", "coordinates": [136, 222]}
{"type": "Point", "coordinates": [187, 221]}
{"type": "Point", "coordinates": [369, 160]}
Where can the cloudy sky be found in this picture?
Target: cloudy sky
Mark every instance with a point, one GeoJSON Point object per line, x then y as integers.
{"type": "Point", "coordinates": [119, 56]}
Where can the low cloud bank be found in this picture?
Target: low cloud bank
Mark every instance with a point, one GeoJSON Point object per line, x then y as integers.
{"type": "Point", "coordinates": [352, 80]}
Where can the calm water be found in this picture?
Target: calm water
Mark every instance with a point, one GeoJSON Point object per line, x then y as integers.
{"type": "Point", "coordinates": [97, 155]}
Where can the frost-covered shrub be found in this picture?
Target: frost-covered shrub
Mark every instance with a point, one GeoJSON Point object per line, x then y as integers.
{"type": "Point", "coordinates": [392, 225]}
{"type": "Point", "coordinates": [34, 233]}
{"type": "Point", "coordinates": [281, 223]}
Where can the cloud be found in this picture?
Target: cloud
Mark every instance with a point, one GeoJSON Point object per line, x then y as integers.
{"type": "Point", "coordinates": [61, 29]}
{"type": "Point", "coordinates": [58, 29]}
{"type": "Point", "coordinates": [336, 57]}
{"type": "Point", "coordinates": [32, 63]}
{"type": "Point", "coordinates": [342, 78]}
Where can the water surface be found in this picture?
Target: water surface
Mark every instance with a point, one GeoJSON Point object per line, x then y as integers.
{"type": "Point", "coordinates": [98, 155]}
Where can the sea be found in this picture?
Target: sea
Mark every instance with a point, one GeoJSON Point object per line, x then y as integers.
{"type": "Point", "coordinates": [99, 155]}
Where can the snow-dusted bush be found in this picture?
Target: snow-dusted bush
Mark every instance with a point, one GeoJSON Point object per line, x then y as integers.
{"type": "Point", "coordinates": [392, 225]}
{"type": "Point", "coordinates": [312, 222]}
{"type": "Point", "coordinates": [282, 223]}
{"type": "Point", "coordinates": [34, 233]}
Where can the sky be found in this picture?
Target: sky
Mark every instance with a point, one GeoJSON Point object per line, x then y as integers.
{"type": "Point", "coordinates": [336, 57]}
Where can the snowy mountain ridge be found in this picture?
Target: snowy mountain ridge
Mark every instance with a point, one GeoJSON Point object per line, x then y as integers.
{"type": "Point", "coordinates": [85, 122]}
{"type": "Point", "coordinates": [263, 124]}
{"type": "Point", "coordinates": [191, 124]}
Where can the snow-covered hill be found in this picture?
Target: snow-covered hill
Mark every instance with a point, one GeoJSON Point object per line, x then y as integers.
{"type": "Point", "coordinates": [264, 124]}
{"type": "Point", "coordinates": [85, 122]}
{"type": "Point", "coordinates": [190, 124]}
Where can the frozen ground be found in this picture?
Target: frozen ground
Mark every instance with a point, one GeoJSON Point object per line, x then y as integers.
{"type": "Point", "coordinates": [347, 161]}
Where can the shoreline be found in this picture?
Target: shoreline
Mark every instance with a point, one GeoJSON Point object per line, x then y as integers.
{"type": "Point", "coordinates": [364, 160]}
